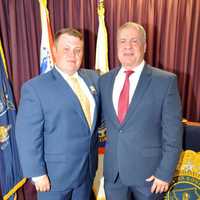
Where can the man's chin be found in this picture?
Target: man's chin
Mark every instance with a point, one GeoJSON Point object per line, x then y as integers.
{"type": "Point", "coordinates": [129, 65]}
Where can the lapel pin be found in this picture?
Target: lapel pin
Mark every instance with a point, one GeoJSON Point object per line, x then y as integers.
{"type": "Point", "coordinates": [92, 89]}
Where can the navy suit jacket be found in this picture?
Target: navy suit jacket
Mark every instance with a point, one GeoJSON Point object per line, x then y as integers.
{"type": "Point", "coordinates": [52, 133]}
{"type": "Point", "coordinates": [149, 140]}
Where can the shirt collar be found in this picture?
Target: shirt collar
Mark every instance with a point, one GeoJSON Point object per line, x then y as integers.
{"type": "Point", "coordinates": [65, 75]}
{"type": "Point", "coordinates": [137, 69]}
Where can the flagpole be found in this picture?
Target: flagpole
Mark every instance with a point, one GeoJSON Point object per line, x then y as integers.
{"type": "Point", "coordinates": [101, 66]}
{"type": "Point", "coordinates": [3, 59]}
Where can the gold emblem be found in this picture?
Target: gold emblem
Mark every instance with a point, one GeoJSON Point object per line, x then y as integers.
{"type": "Point", "coordinates": [186, 182]}
{"type": "Point", "coordinates": [102, 134]}
{"type": "Point", "coordinates": [4, 133]}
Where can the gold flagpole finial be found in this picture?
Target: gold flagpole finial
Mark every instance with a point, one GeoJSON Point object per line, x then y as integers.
{"type": "Point", "coordinates": [101, 9]}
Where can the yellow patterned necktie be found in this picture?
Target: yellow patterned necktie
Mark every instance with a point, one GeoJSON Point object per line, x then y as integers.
{"type": "Point", "coordinates": [83, 99]}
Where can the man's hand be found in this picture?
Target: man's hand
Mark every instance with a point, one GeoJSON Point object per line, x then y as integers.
{"type": "Point", "coordinates": [43, 184]}
{"type": "Point", "coordinates": [158, 186]}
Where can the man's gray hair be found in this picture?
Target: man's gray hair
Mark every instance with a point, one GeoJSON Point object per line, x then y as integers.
{"type": "Point", "coordinates": [136, 26]}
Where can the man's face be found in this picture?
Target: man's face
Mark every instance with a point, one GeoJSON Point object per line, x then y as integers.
{"type": "Point", "coordinates": [131, 47]}
{"type": "Point", "coordinates": [68, 53]}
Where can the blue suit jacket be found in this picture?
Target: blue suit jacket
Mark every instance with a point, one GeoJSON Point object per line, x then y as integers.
{"type": "Point", "coordinates": [150, 139]}
{"type": "Point", "coordinates": [52, 133]}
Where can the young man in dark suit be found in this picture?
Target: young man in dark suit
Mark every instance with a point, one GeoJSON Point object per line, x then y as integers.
{"type": "Point", "coordinates": [56, 124]}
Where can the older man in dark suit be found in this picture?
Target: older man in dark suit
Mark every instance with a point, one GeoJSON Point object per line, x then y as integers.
{"type": "Point", "coordinates": [142, 112]}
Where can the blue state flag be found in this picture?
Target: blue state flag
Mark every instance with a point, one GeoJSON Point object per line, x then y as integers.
{"type": "Point", "coordinates": [10, 171]}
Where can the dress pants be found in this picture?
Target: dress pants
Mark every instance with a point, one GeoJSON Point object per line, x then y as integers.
{"type": "Point", "coordinates": [82, 192]}
{"type": "Point", "coordinates": [120, 191]}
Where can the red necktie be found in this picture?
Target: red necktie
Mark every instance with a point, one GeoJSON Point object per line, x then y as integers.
{"type": "Point", "coordinates": [123, 102]}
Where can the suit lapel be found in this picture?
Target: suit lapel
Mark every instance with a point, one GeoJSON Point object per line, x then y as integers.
{"type": "Point", "coordinates": [112, 113]}
{"type": "Point", "coordinates": [68, 93]}
{"type": "Point", "coordinates": [92, 89]}
{"type": "Point", "coordinates": [141, 88]}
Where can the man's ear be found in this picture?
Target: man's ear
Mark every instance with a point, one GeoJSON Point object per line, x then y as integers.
{"type": "Point", "coordinates": [145, 47]}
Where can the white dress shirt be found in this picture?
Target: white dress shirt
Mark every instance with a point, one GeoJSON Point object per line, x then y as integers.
{"type": "Point", "coordinates": [119, 83]}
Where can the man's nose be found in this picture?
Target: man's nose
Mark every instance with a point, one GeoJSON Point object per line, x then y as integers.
{"type": "Point", "coordinates": [72, 53]}
{"type": "Point", "coordinates": [129, 45]}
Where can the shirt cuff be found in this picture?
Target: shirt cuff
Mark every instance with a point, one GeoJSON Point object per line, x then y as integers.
{"type": "Point", "coordinates": [37, 178]}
